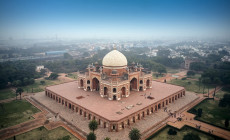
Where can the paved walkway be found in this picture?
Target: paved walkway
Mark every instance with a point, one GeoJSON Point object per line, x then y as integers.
{"type": "Point", "coordinates": [188, 119]}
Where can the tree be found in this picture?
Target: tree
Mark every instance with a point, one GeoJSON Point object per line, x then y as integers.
{"type": "Point", "coordinates": [25, 81]}
{"type": "Point", "coordinates": [225, 101]}
{"type": "Point", "coordinates": [31, 81]}
{"type": "Point", "coordinates": [53, 76]}
{"type": "Point", "coordinates": [42, 82]}
{"type": "Point", "coordinates": [199, 82]}
{"type": "Point", "coordinates": [216, 82]}
{"type": "Point", "coordinates": [19, 90]}
{"type": "Point", "coordinates": [93, 125]}
{"type": "Point", "coordinates": [67, 56]}
{"type": "Point", "coordinates": [43, 71]}
{"type": "Point", "coordinates": [197, 66]}
{"type": "Point", "coordinates": [134, 134]}
{"type": "Point", "coordinates": [172, 131]}
{"type": "Point", "coordinates": [65, 138]}
{"type": "Point", "coordinates": [161, 69]}
{"type": "Point", "coordinates": [191, 136]}
{"type": "Point", "coordinates": [226, 122]}
{"type": "Point", "coordinates": [91, 136]}
{"type": "Point", "coordinates": [107, 138]}
{"type": "Point", "coordinates": [222, 103]}
{"type": "Point", "coordinates": [199, 112]}
{"type": "Point", "coordinates": [17, 83]}
{"type": "Point", "coordinates": [207, 81]}
{"type": "Point", "coordinates": [190, 73]}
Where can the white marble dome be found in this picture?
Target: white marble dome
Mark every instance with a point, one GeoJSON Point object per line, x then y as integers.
{"type": "Point", "coordinates": [114, 59]}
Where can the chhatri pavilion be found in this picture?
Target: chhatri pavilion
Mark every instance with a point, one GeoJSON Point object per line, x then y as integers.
{"type": "Point", "coordinates": [115, 94]}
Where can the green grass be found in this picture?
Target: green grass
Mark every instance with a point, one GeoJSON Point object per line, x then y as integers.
{"type": "Point", "coordinates": [72, 75]}
{"type": "Point", "coordinates": [225, 90]}
{"type": "Point", "coordinates": [38, 87]}
{"type": "Point", "coordinates": [16, 112]}
{"type": "Point", "coordinates": [163, 134]}
{"type": "Point", "coordinates": [196, 76]}
{"type": "Point", "coordinates": [172, 71]}
{"type": "Point", "coordinates": [191, 85]}
{"type": "Point", "coordinates": [6, 93]}
{"type": "Point", "coordinates": [42, 133]}
{"type": "Point", "coordinates": [157, 76]}
{"type": "Point", "coordinates": [212, 113]}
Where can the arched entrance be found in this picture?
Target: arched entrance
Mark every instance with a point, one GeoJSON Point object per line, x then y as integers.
{"type": "Point", "coordinates": [105, 91]}
{"type": "Point", "coordinates": [141, 88]}
{"type": "Point", "coordinates": [114, 97]}
{"type": "Point", "coordinates": [159, 106]}
{"type": "Point", "coordinates": [81, 83]}
{"type": "Point", "coordinates": [88, 88]}
{"type": "Point", "coordinates": [148, 83]}
{"type": "Point", "coordinates": [123, 91]}
{"type": "Point", "coordinates": [95, 84]}
{"type": "Point", "coordinates": [133, 84]}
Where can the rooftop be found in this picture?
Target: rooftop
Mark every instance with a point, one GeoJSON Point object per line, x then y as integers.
{"type": "Point", "coordinates": [114, 110]}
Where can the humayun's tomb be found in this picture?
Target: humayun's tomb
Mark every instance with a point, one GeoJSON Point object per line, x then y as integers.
{"type": "Point", "coordinates": [115, 94]}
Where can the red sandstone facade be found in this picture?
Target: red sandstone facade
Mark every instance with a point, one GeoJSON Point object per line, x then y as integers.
{"type": "Point", "coordinates": [118, 124]}
{"type": "Point", "coordinates": [115, 83]}
{"type": "Point", "coordinates": [114, 80]}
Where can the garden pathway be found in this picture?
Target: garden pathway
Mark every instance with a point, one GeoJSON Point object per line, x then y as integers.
{"type": "Point", "coordinates": [38, 121]}
{"type": "Point", "coordinates": [169, 77]}
{"type": "Point", "coordinates": [188, 119]}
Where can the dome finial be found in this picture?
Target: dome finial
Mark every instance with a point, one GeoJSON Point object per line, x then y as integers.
{"type": "Point", "coordinates": [114, 47]}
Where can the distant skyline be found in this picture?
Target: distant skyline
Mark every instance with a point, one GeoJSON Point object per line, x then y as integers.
{"type": "Point", "coordinates": [114, 19]}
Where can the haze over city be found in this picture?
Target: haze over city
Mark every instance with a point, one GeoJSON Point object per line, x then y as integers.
{"type": "Point", "coordinates": [114, 69]}
{"type": "Point", "coordinates": [115, 19]}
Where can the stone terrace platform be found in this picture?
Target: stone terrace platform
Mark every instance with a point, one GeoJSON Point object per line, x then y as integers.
{"type": "Point", "coordinates": [146, 126]}
{"type": "Point", "coordinates": [115, 110]}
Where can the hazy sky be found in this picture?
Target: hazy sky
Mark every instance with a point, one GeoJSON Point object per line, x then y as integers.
{"type": "Point", "coordinates": [139, 19]}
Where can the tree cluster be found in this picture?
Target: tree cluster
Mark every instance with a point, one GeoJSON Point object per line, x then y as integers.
{"type": "Point", "coordinates": [92, 126]}
{"type": "Point", "coordinates": [18, 73]}
{"type": "Point", "coordinates": [225, 101]}
{"type": "Point", "coordinates": [172, 131]}
{"type": "Point", "coordinates": [190, 73]}
{"type": "Point", "coordinates": [191, 136]}
{"type": "Point", "coordinates": [53, 76]}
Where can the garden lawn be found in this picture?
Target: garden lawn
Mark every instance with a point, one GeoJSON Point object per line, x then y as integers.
{"type": "Point", "coordinates": [163, 134]}
{"type": "Point", "coordinates": [157, 76]}
{"type": "Point", "coordinates": [191, 85]}
{"type": "Point", "coordinates": [42, 133]}
{"type": "Point", "coordinates": [172, 71]}
{"type": "Point", "coordinates": [38, 87]}
{"type": "Point", "coordinates": [196, 76]}
{"type": "Point", "coordinates": [6, 94]}
{"type": "Point", "coordinates": [212, 113]}
{"type": "Point", "coordinates": [72, 75]}
{"type": "Point", "coordinates": [16, 112]}
{"type": "Point", "coordinates": [225, 90]}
